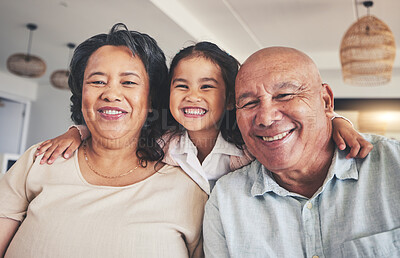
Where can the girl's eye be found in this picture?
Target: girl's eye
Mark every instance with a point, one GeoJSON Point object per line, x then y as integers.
{"type": "Point", "coordinates": [207, 86]}
{"type": "Point", "coordinates": [182, 86]}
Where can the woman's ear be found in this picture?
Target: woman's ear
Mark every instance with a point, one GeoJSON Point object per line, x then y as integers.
{"type": "Point", "coordinates": [327, 97]}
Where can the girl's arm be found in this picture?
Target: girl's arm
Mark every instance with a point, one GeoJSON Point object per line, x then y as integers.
{"type": "Point", "coordinates": [345, 135]}
{"type": "Point", "coordinates": [8, 229]}
{"type": "Point", "coordinates": [66, 143]}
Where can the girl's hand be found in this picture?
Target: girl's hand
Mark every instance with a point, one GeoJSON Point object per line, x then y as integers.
{"type": "Point", "coordinates": [66, 143]}
{"type": "Point", "coordinates": [344, 133]}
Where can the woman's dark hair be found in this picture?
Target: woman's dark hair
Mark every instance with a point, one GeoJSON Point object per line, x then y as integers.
{"type": "Point", "coordinates": [229, 68]}
{"type": "Point", "coordinates": [146, 48]}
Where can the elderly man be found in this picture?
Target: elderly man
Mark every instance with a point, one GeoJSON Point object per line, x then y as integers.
{"type": "Point", "coordinates": [301, 197]}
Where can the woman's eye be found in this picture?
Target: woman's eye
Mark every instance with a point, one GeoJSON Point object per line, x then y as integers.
{"type": "Point", "coordinates": [129, 83]}
{"type": "Point", "coordinates": [97, 83]}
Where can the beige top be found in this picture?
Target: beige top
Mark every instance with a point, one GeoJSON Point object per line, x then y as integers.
{"type": "Point", "coordinates": [64, 216]}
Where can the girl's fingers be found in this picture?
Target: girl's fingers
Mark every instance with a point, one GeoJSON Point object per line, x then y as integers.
{"type": "Point", "coordinates": [366, 148]}
{"type": "Point", "coordinates": [339, 141]}
{"type": "Point", "coordinates": [47, 154]}
{"type": "Point", "coordinates": [355, 148]}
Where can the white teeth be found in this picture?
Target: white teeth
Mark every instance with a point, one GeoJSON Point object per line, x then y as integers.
{"type": "Point", "coordinates": [194, 111]}
{"type": "Point", "coordinates": [112, 112]}
{"type": "Point", "coordinates": [275, 138]}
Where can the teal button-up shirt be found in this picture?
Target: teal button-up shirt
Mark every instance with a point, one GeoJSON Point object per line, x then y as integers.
{"type": "Point", "coordinates": [356, 213]}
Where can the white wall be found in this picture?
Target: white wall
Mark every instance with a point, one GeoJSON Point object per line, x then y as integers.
{"type": "Point", "coordinates": [24, 88]}
{"type": "Point", "coordinates": [50, 115]}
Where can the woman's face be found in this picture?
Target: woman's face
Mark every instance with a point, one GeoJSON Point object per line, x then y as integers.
{"type": "Point", "coordinates": [115, 94]}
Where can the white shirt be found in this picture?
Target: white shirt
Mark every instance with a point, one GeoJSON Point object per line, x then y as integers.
{"type": "Point", "coordinates": [215, 165]}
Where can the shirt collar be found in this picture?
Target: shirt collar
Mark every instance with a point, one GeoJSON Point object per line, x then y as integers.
{"type": "Point", "coordinates": [340, 167]}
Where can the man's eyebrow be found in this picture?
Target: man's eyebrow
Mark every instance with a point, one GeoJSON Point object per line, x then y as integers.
{"type": "Point", "coordinates": [288, 85]}
{"type": "Point", "coordinates": [245, 95]}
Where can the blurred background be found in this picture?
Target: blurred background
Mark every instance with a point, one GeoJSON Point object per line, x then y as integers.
{"type": "Point", "coordinates": [32, 109]}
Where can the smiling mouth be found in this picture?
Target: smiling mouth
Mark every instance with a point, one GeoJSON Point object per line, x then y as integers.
{"type": "Point", "coordinates": [194, 111]}
{"type": "Point", "coordinates": [276, 137]}
{"type": "Point", "coordinates": [111, 112]}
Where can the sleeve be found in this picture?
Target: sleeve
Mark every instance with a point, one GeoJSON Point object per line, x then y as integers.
{"type": "Point", "coordinates": [214, 236]}
{"type": "Point", "coordinates": [14, 198]}
{"type": "Point", "coordinates": [336, 115]}
{"type": "Point", "coordinates": [83, 131]}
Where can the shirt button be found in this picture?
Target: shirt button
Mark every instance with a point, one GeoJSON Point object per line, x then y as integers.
{"type": "Point", "coordinates": [309, 206]}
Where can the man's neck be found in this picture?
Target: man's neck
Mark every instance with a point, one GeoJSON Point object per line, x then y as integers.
{"type": "Point", "coordinates": [307, 180]}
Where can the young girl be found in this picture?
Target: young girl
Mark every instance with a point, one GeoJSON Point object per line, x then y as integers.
{"type": "Point", "coordinates": [202, 136]}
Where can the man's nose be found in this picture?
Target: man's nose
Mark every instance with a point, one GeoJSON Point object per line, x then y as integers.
{"type": "Point", "coordinates": [267, 114]}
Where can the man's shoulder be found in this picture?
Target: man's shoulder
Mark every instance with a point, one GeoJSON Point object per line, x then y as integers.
{"type": "Point", "coordinates": [385, 154]}
{"type": "Point", "coordinates": [382, 144]}
{"type": "Point", "coordinates": [240, 177]}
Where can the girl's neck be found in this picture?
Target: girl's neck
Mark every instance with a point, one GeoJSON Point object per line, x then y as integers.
{"type": "Point", "coordinates": [204, 142]}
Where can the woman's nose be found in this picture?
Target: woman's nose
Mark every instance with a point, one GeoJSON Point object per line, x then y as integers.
{"type": "Point", "coordinates": [112, 92]}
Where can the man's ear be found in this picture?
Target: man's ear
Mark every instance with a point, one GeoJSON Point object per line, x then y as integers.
{"type": "Point", "coordinates": [327, 97]}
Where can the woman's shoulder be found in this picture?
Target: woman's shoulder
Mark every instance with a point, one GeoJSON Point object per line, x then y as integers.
{"type": "Point", "coordinates": [179, 179]}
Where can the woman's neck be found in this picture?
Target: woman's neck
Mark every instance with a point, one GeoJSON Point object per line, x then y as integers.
{"type": "Point", "coordinates": [118, 149]}
{"type": "Point", "coordinates": [204, 142]}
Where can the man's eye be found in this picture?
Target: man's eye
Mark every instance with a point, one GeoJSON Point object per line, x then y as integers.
{"type": "Point", "coordinates": [249, 104]}
{"type": "Point", "coordinates": [284, 96]}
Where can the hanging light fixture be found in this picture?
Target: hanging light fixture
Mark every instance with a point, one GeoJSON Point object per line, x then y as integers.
{"type": "Point", "coordinates": [27, 65]}
{"type": "Point", "coordinates": [367, 51]}
{"type": "Point", "coordinates": [59, 78]}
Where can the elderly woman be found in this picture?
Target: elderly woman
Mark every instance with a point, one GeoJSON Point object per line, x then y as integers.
{"type": "Point", "coordinates": [117, 199]}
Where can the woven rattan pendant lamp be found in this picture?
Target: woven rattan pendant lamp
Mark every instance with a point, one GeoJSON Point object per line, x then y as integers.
{"type": "Point", "coordinates": [27, 65]}
{"type": "Point", "coordinates": [59, 78]}
{"type": "Point", "coordinates": [367, 51]}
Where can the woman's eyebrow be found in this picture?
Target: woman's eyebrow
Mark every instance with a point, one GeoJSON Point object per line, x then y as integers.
{"type": "Point", "coordinates": [95, 73]}
{"type": "Point", "coordinates": [129, 73]}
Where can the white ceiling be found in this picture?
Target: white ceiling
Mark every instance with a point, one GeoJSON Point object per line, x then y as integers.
{"type": "Point", "coordinates": [239, 26]}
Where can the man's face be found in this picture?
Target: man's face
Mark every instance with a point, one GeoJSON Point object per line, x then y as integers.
{"type": "Point", "coordinates": [281, 113]}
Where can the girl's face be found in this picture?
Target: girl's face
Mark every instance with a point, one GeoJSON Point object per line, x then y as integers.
{"type": "Point", "coordinates": [197, 96]}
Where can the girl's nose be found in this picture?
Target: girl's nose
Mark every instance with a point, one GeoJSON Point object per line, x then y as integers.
{"type": "Point", "coordinates": [193, 96]}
